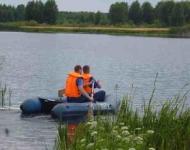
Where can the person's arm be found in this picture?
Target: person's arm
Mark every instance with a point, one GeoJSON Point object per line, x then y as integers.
{"type": "Point", "coordinates": [96, 83]}
{"type": "Point", "coordinates": [80, 85]}
{"type": "Point", "coordinates": [84, 93]}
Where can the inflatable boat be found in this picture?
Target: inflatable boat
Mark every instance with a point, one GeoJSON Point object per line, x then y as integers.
{"type": "Point", "coordinates": [68, 110]}
{"type": "Point", "coordinates": [40, 105]}
{"type": "Point", "coordinates": [59, 107]}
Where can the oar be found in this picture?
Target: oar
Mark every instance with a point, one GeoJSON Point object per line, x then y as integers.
{"type": "Point", "coordinates": [90, 110]}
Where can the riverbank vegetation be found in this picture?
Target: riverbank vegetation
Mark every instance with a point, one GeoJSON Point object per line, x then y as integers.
{"type": "Point", "coordinates": [165, 127]}
{"type": "Point", "coordinates": [171, 15]}
{"type": "Point", "coordinates": [164, 13]}
{"type": "Point", "coordinates": [5, 96]}
{"type": "Point", "coordinates": [35, 27]}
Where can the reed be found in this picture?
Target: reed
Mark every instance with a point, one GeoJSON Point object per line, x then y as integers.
{"type": "Point", "coordinates": [5, 96]}
{"type": "Point", "coordinates": [163, 128]}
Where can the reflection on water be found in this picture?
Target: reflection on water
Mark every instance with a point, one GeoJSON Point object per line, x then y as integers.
{"type": "Point", "coordinates": [37, 65]}
{"type": "Point", "coordinates": [28, 133]}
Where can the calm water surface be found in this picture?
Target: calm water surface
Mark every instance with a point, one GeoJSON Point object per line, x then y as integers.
{"type": "Point", "coordinates": [37, 64]}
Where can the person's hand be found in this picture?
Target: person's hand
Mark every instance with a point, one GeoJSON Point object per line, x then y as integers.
{"type": "Point", "coordinates": [98, 83]}
{"type": "Point", "coordinates": [91, 99]}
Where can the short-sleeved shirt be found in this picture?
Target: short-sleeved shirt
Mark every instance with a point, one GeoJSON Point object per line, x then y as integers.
{"type": "Point", "coordinates": [79, 82]}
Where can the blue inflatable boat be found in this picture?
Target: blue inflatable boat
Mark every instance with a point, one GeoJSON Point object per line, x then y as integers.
{"type": "Point", "coordinates": [67, 110]}
{"type": "Point", "coordinates": [59, 108]}
{"type": "Point", "coordinates": [40, 105]}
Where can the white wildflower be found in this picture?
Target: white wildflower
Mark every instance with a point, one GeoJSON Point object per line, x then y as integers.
{"type": "Point", "coordinates": [93, 125]}
{"type": "Point", "coordinates": [101, 140]}
{"type": "Point", "coordinates": [115, 132]}
{"type": "Point", "coordinates": [122, 124]}
{"type": "Point", "coordinates": [138, 129]}
{"type": "Point", "coordinates": [115, 127]}
{"type": "Point", "coordinates": [132, 149]}
{"type": "Point", "coordinates": [130, 136]}
{"type": "Point", "coordinates": [126, 140]}
{"type": "Point", "coordinates": [90, 145]}
{"type": "Point", "coordinates": [83, 140]}
{"type": "Point", "coordinates": [138, 138]}
{"type": "Point", "coordinates": [94, 133]}
{"type": "Point", "coordinates": [89, 123]}
{"type": "Point", "coordinates": [124, 128]}
{"type": "Point", "coordinates": [125, 133]}
{"type": "Point", "coordinates": [118, 137]}
{"type": "Point", "coordinates": [150, 131]}
{"type": "Point", "coordinates": [151, 148]}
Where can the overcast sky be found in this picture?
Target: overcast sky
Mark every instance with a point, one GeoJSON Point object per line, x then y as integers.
{"type": "Point", "coordinates": [79, 5]}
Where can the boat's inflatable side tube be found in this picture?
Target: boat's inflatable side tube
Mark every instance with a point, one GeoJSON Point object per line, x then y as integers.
{"type": "Point", "coordinates": [65, 110]}
{"type": "Point", "coordinates": [31, 106]}
{"type": "Point", "coordinates": [39, 105]}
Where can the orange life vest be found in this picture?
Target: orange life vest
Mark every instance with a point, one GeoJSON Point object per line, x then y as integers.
{"type": "Point", "coordinates": [86, 78]}
{"type": "Point", "coordinates": [71, 89]}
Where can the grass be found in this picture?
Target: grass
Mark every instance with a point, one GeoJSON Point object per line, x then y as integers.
{"type": "Point", "coordinates": [106, 29]}
{"type": "Point", "coordinates": [5, 96]}
{"type": "Point", "coordinates": [163, 128]}
{"type": "Point", "coordinates": [181, 31]}
{"type": "Point", "coordinates": [125, 29]}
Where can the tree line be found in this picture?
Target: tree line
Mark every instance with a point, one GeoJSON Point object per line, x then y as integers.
{"type": "Point", "coordinates": [82, 18]}
{"type": "Point", "coordinates": [34, 10]}
{"type": "Point", "coordinates": [165, 13]}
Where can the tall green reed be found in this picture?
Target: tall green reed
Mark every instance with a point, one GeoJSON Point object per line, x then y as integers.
{"type": "Point", "coordinates": [164, 128]}
{"type": "Point", "coordinates": [5, 96]}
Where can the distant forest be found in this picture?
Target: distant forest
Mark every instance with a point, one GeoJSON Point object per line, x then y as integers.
{"type": "Point", "coordinates": [165, 13]}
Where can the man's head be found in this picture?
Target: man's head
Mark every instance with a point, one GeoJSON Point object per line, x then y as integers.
{"type": "Point", "coordinates": [78, 69]}
{"type": "Point", "coordinates": [86, 69]}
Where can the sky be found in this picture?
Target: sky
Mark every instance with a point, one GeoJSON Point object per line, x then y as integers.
{"type": "Point", "coordinates": [80, 5]}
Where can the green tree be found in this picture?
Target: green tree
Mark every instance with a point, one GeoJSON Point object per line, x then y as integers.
{"type": "Point", "coordinates": [104, 19]}
{"type": "Point", "coordinates": [186, 7]}
{"type": "Point", "coordinates": [20, 12]}
{"type": "Point", "coordinates": [135, 12]}
{"type": "Point", "coordinates": [30, 10]}
{"type": "Point", "coordinates": [34, 11]}
{"type": "Point", "coordinates": [7, 13]}
{"type": "Point", "coordinates": [91, 17]}
{"type": "Point", "coordinates": [97, 18]}
{"type": "Point", "coordinates": [50, 12]}
{"type": "Point", "coordinates": [118, 12]}
{"type": "Point", "coordinates": [39, 11]}
{"type": "Point", "coordinates": [177, 17]}
{"type": "Point", "coordinates": [164, 11]}
{"type": "Point", "coordinates": [147, 13]}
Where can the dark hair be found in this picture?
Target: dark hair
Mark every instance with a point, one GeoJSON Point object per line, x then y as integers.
{"type": "Point", "coordinates": [86, 69]}
{"type": "Point", "coordinates": [77, 68]}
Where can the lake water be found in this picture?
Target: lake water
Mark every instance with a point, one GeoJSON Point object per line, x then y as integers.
{"type": "Point", "coordinates": [34, 64]}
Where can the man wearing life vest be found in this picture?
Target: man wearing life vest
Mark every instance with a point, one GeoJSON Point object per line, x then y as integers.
{"type": "Point", "coordinates": [74, 89]}
{"type": "Point", "coordinates": [88, 81]}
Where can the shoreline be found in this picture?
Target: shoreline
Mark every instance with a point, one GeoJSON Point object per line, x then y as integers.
{"type": "Point", "coordinates": [132, 31]}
